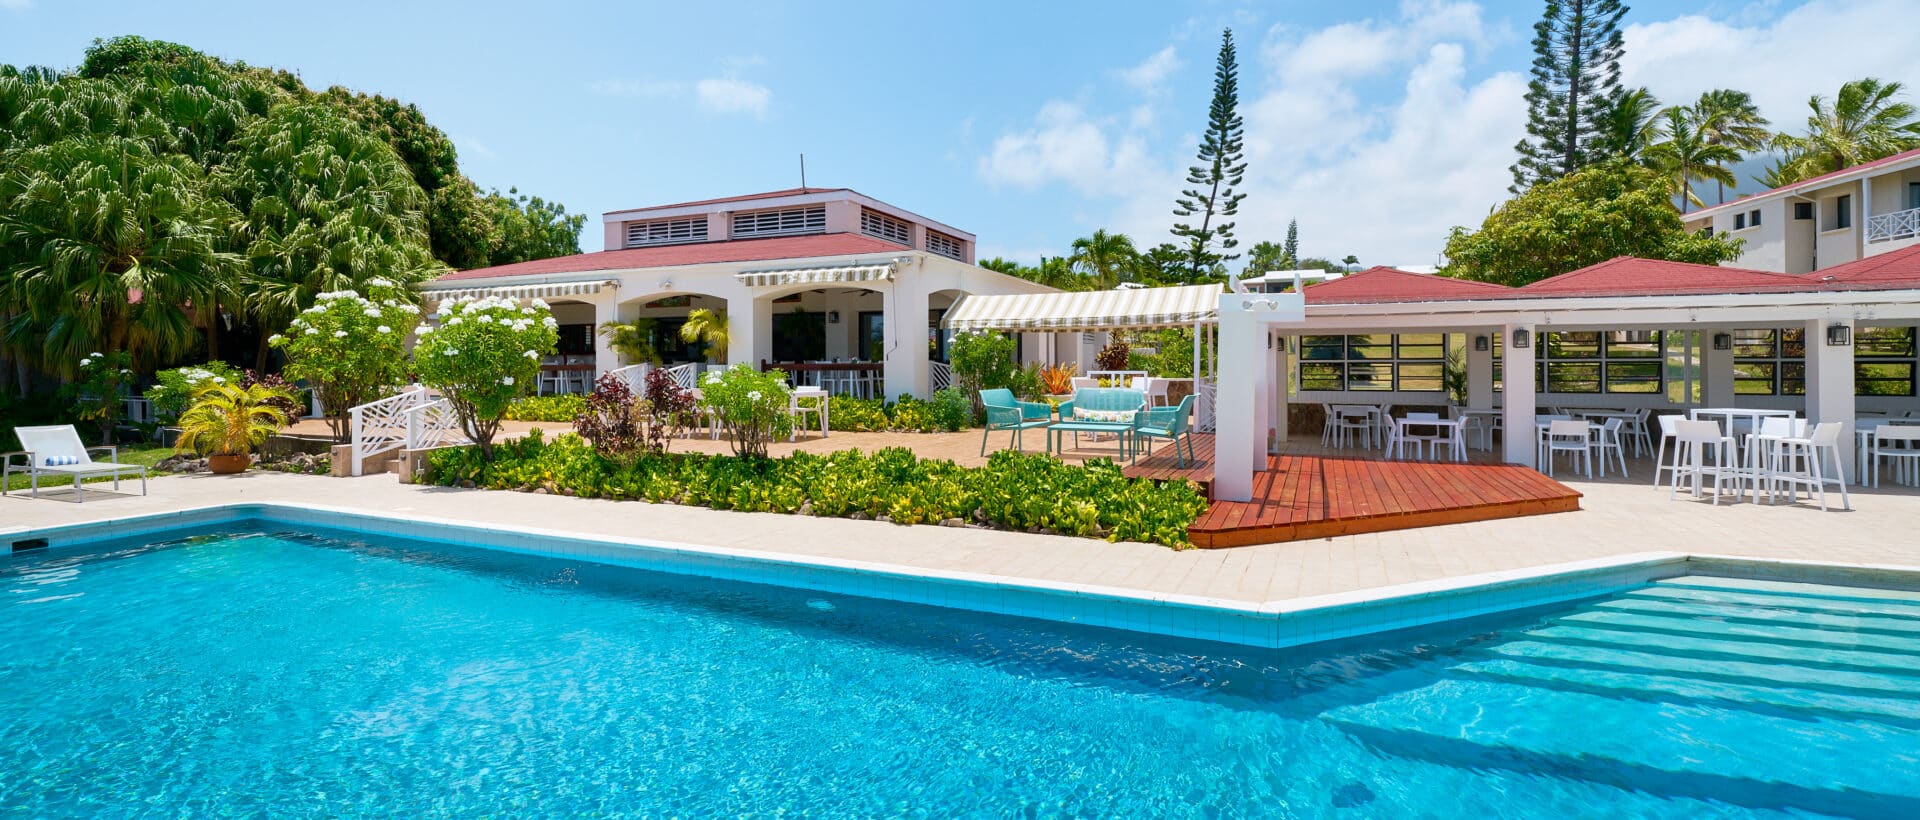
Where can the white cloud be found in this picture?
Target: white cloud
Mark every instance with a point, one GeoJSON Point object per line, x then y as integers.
{"type": "Point", "coordinates": [471, 147]}
{"type": "Point", "coordinates": [726, 95]}
{"type": "Point", "coordinates": [1810, 49]}
{"type": "Point", "coordinates": [1151, 74]}
{"type": "Point", "coordinates": [638, 88]}
{"type": "Point", "coordinates": [16, 5]}
{"type": "Point", "coordinates": [1065, 145]}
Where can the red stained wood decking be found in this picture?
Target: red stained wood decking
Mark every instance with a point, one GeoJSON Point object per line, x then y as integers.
{"type": "Point", "coordinates": [1314, 496]}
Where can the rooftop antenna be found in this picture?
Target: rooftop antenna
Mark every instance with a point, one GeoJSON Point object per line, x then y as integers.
{"type": "Point", "coordinates": [803, 172]}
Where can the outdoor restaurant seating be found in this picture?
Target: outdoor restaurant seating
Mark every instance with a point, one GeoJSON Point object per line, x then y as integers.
{"type": "Point", "coordinates": [1099, 411]}
{"type": "Point", "coordinates": [1703, 451]}
{"type": "Point", "coordinates": [1005, 413]}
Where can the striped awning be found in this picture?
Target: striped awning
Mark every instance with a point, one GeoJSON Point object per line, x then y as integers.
{"type": "Point", "coordinates": [1137, 309]}
{"type": "Point", "coordinates": [816, 276]}
{"type": "Point", "coordinates": [545, 290]}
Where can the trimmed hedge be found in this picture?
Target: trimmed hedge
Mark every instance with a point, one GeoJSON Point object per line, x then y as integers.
{"type": "Point", "coordinates": [948, 411]}
{"type": "Point", "coordinates": [563, 407]}
{"type": "Point", "coordinates": [1015, 491]}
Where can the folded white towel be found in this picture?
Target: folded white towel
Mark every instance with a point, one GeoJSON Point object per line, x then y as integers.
{"type": "Point", "coordinates": [62, 461]}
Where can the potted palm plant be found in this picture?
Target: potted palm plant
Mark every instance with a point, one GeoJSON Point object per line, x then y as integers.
{"type": "Point", "coordinates": [708, 327]}
{"type": "Point", "coordinates": [227, 422]}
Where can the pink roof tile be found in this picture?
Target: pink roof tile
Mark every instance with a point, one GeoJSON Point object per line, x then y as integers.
{"type": "Point", "coordinates": [1382, 284]}
{"type": "Point", "coordinates": [1892, 269]}
{"type": "Point", "coordinates": [696, 253]}
{"type": "Point", "coordinates": [1633, 276]}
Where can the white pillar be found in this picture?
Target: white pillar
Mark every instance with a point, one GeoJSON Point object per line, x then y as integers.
{"type": "Point", "coordinates": [606, 309]}
{"type": "Point", "coordinates": [1282, 388]}
{"type": "Point", "coordinates": [1716, 372]}
{"type": "Point", "coordinates": [749, 330]}
{"type": "Point", "coordinates": [1830, 388]}
{"type": "Point", "coordinates": [1239, 441]}
{"type": "Point", "coordinates": [1480, 369]}
{"type": "Point", "coordinates": [1517, 379]}
{"type": "Point", "coordinates": [904, 328]}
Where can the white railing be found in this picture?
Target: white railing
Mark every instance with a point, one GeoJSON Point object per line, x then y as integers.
{"type": "Point", "coordinates": [1203, 404]}
{"type": "Point", "coordinates": [685, 375]}
{"type": "Point", "coordinates": [942, 375]}
{"type": "Point", "coordinates": [1896, 225]}
{"type": "Point", "coordinates": [433, 424]}
{"type": "Point", "coordinates": [635, 376]}
{"type": "Point", "coordinates": [381, 426]}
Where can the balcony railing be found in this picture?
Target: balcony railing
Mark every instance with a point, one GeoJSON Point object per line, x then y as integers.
{"type": "Point", "coordinates": [1897, 225]}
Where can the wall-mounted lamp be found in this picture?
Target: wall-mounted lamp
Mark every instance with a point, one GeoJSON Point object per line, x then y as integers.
{"type": "Point", "coordinates": [1722, 341]}
{"type": "Point", "coordinates": [666, 284]}
{"type": "Point", "coordinates": [1839, 335]}
{"type": "Point", "coordinates": [833, 317]}
{"type": "Point", "coordinates": [1481, 342]}
{"type": "Point", "coordinates": [1522, 338]}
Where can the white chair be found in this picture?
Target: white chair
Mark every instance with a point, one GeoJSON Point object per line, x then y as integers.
{"type": "Point", "coordinates": [1084, 382]}
{"type": "Point", "coordinates": [1157, 388]}
{"type": "Point", "coordinates": [56, 450]}
{"type": "Point", "coordinates": [1636, 430]}
{"type": "Point", "coordinates": [816, 404]}
{"type": "Point", "coordinates": [1326, 424]}
{"type": "Point", "coordinates": [1667, 433]}
{"type": "Point", "coordinates": [1696, 440]}
{"type": "Point", "coordinates": [550, 381]}
{"type": "Point", "coordinates": [1350, 421]}
{"type": "Point", "coordinates": [1814, 451]}
{"type": "Point", "coordinates": [1398, 439]}
{"type": "Point", "coordinates": [1568, 436]}
{"type": "Point", "coordinates": [1607, 437]}
{"type": "Point", "coordinates": [1430, 439]}
{"type": "Point", "coordinates": [1900, 445]}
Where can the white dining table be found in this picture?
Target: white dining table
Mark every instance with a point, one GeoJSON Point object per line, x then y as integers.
{"type": "Point", "coordinates": [1728, 415]}
{"type": "Point", "coordinates": [1436, 424]}
{"type": "Point", "coordinates": [1486, 427]}
{"type": "Point", "coordinates": [1863, 431]}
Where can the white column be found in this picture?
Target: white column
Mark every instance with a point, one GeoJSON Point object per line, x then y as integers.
{"type": "Point", "coordinates": [606, 309]}
{"type": "Point", "coordinates": [1239, 441]}
{"type": "Point", "coordinates": [904, 327]}
{"type": "Point", "coordinates": [1282, 387]}
{"type": "Point", "coordinates": [1480, 369]}
{"type": "Point", "coordinates": [1517, 379]}
{"type": "Point", "coordinates": [1716, 372]}
{"type": "Point", "coordinates": [749, 330]}
{"type": "Point", "coordinates": [1830, 382]}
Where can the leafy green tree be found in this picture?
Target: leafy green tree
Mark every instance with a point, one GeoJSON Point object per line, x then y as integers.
{"type": "Point", "coordinates": [350, 348]}
{"type": "Point", "coordinates": [1729, 118]}
{"type": "Point", "coordinates": [1350, 263]}
{"type": "Point", "coordinates": [104, 245]}
{"type": "Point", "coordinates": [483, 354]}
{"type": "Point", "coordinates": [1597, 213]}
{"type": "Point", "coordinates": [1576, 73]}
{"type": "Point", "coordinates": [752, 406]}
{"type": "Point", "coordinates": [1630, 123]}
{"type": "Point", "coordinates": [528, 228]}
{"type": "Point", "coordinates": [1317, 263]}
{"type": "Point", "coordinates": [708, 327]}
{"type": "Point", "coordinates": [1221, 169]}
{"type": "Point", "coordinates": [1165, 264]}
{"type": "Point", "coordinates": [1290, 249]}
{"type": "Point", "coordinates": [1107, 259]}
{"type": "Point", "coordinates": [1264, 257]}
{"type": "Point", "coordinates": [327, 207]}
{"type": "Point", "coordinates": [1685, 155]}
{"type": "Point", "coordinates": [632, 340]}
{"type": "Point", "coordinates": [1866, 121]}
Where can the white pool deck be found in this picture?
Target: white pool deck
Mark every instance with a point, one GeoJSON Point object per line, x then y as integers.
{"type": "Point", "coordinates": [1618, 520]}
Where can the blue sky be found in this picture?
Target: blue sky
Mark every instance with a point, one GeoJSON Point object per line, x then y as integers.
{"type": "Point", "coordinates": [1376, 125]}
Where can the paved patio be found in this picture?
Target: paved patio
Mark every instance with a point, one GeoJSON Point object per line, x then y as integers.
{"type": "Point", "coordinates": [1618, 517]}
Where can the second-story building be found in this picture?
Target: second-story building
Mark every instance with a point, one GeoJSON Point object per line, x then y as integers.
{"type": "Point", "coordinates": [1828, 220]}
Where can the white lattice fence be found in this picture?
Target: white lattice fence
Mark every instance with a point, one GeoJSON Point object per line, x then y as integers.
{"type": "Point", "coordinates": [942, 375]}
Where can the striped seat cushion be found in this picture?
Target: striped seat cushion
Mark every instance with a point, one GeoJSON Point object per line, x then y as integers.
{"type": "Point", "coordinates": [61, 461]}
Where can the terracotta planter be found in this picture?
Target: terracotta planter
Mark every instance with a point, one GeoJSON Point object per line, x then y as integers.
{"type": "Point", "coordinates": [228, 465]}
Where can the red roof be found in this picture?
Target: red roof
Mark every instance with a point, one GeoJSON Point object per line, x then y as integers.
{"type": "Point", "coordinates": [741, 198]}
{"type": "Point", "coordinates": [1382, 284]}
{"type": "Point", "coordinates": [1892, 269]}
{"type": "Point", "coordinates": [1633, 276]}
{"type": "Point", "coordinates": [1887, 160]}
{"type": "Point", "coordinates": [696, 253]}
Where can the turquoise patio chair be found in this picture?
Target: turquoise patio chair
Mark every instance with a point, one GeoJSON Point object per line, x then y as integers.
{"type": "Point", "coordinates": [1004, 412]}
{"type": "Point", "coordinates": [1171, 423]}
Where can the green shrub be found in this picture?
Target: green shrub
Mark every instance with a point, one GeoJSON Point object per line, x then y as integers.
{"type": "Point", "coordinates": [173, 390]}
{"type": "Point", "coordinates": [850, 414]}
{"type": "Point", "coordinates": [1016, 491]}
{"type": "Point", "coordinates": [563, 407]}
{"type": "Point", "coordinates": [952, 409]}
{"type": "Point", "coordinates": [752, 405]}
{"type": "Point", "coordinates": [482, 355]}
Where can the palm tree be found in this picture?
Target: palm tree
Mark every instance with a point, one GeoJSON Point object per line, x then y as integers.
{"type": "Point", "coordinates": [230, 420]}
{"type": "Point", "coordinates": [1630, 123]}
{"type": "Point", "coordinates": [709, 327]}
{"type": "Point", "coordinates": [632, 340]}
{"type": "Point", "coordinates": [1865, 122]}
{"type": "Point", "coordinates": [1057, 272]}
{"type": "Point", "coordinates": [1106, 258]}
{"type": "Point", "coordinates": [1685, 156]}
{"type": "Point", "coordinates": [1349, 263]}
{"type": "Point", "coordinates": [1728, 117]}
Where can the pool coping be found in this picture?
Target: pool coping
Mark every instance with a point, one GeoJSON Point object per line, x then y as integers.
{"type": "Point", "coordinates": [1270, 624]}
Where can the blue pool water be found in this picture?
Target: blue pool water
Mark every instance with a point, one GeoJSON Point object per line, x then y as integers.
{"type": "Point", "coordinates": [286, 673]}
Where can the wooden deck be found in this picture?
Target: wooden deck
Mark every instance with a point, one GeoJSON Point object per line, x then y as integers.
{"type": "Point", "coordinates": [1318, 496]}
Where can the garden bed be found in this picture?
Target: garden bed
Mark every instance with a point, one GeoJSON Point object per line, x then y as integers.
{"type": "Point", "coordinates": [1025, 492]}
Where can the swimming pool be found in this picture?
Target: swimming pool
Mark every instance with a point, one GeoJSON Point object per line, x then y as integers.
{"type": "Point", "coordinates": [262, 668]}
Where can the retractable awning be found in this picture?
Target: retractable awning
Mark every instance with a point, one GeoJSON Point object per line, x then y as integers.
{"type": "Point", "coordinates": [840, 274]}
{"type": "Point", "coordinates": [1136, 309]}
{"type": "Point", "coordinates": [544, 290]}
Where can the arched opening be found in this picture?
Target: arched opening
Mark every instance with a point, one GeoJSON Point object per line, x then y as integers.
{"type": "Point", "coordinates": [831, 336]}
{"type": "Point", "coordinates": [658, 319]}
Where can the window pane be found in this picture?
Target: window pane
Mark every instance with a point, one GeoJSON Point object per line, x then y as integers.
{"type": "Point", "coordinates": [1896, 342]}
{"type": "Point", "coordinates": [1753, 378]}
{"type": "Point", "coordinates": [1321, 377]}
{"type": "Point", "coordinates": [1369, 376]}
{"type": "Point", "coordinates": [1633, 344]}
{"type": "Point", "coordinates": [1883, 379]}
{"type": "Point", "coordinates": [1753, 344]}
{"type": "Point", "coordinates": [1793, 343]}
{"type": "Point", "coordinates": [1573, 377]}
{"type": "Point", "coordinates": [1633, 377]}
{"type": "Point", "coordinates": [1421, 377]}
{"type": "Point", "coordinates": [1573, 345]}
{"type": "Point", "coordinates": [1372, 346]}
{"type": "Point", "coordinates": [1793, 378]}
{"type": "Point", "coordinates": [1423, 346]}
{"type": "Point", "coordinates": [1323, 347]}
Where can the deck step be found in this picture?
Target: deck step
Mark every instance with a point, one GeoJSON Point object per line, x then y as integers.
{"type": "Point", "coordinates": [1755, 673]}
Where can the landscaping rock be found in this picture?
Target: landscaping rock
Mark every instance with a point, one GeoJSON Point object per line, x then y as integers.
{"type": "Point", "coordinates": [885, 519]}
{"type": "Point", "coordinates": [466, 484]}
{"type": "Point", "coordinates": [806, 508]}
{"type": "Point", "coordinates": [540, 491]}
{"type": "Point", "coordinates": [953, 522]}
{"type": "Point", "coordinates": [860, 516]}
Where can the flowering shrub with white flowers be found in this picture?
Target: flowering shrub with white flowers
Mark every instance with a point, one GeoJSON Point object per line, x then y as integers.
{"type": "Point", "coordinates": [482, 354]}
{"type": "Point", "coordinates": [752, 406]}
{"type": "Point", "coordinates": [95, 390]}
{"type": "Point", "coordinates": [172, 392]}
{"type": "Point", "coordinates": [351, 349]}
